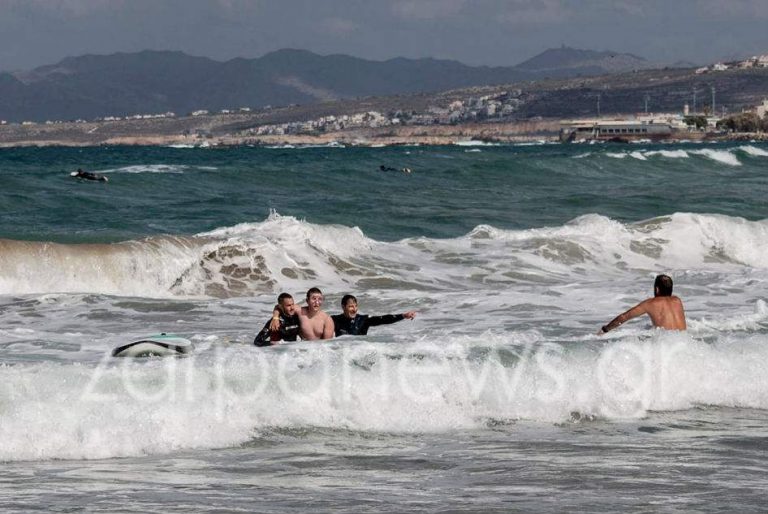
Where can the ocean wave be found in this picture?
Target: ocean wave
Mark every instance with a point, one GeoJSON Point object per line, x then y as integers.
{"type": "Point", "coordinates": [721, 156]}
{"type": "Point", "coordinates": [754, 151]}
{"type": "Point", "coordinates": [473, 142]}
{"type": "Point", "coordinates": [284, 252]}
{"type": "Point", "coordinates": [670, 154]}
{"type": "Point", "coordinates": [227, 396]}
{"type": "Point", "coordinates": [724, 156]}
{"type": "Point", "coordinates": [149, 168]}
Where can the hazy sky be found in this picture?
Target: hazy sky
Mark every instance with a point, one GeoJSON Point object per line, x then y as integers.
{"type": "Point", "coordinates": [492, 32]}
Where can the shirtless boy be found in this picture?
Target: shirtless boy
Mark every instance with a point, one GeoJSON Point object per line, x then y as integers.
{"type": "Point", "coordinates": [664, 309]}
{"type": "Point", "coordinates": [314, 322]}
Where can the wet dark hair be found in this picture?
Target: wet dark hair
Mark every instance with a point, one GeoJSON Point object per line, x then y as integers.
{"type": "Point", "coordinates": [283, 296]}
{"type": "Point", "coordinates": [312, 291]}
{"type": "Point", "coordinates": [663, 285]}
{"type": "Point", "coordinates": [346, 299]}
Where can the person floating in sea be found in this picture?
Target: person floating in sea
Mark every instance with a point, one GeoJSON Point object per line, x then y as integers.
{"type": "Point", "coordinates": [87, 175]}
{"type": "Point", "coordinates": [389, 168]}
{"type": "Point", "coordinates": [288, 320]}
{"type": "Point", "coordinates": [354, 324]}
{"type": "Point", "coordinates": [314, 322]}
{"type": "Point", "coordinates": [665, 310]}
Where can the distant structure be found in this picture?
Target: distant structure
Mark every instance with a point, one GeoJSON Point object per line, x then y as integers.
{"type": "Point", "coordinates": [756, 61]}
{"type": "Point", "coordinates": [762, 109]}
{"type": "Point", "coordinates": [617, 130]}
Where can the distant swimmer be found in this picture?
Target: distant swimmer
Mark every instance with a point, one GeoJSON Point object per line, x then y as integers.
{"type": "Point", "coordinates": [87, 175]}
{"type": "Point", "coordinates": [664, 309]}
{"type": "Point", "coordinates": [314, 322]}
{"type": "Point", "coordinates": [389, 168]}
{"type": "Point", "coordinates": [285, 315]}
{"type": "Point", "coordinates": [353, 324]}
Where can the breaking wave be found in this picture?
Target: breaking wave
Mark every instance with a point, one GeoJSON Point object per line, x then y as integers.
{"type": "Point", "coordinates": [284, 252]}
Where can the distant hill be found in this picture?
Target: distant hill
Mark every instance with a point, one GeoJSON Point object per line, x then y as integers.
{"type": "Point", "coordinates": [148, 82]}
{"type": "Point", "coordinates": [568, 62]}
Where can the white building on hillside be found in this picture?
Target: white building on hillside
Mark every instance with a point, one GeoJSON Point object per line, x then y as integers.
{"type": "Point", "coordinates": [762, 109]}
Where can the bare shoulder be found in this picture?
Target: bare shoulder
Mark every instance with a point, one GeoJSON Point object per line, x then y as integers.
{"type": "Point", "coordinates": [667, 300]}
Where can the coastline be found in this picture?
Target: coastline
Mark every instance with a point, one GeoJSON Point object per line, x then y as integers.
{"type": "Point", "coordinates": [212, 132]}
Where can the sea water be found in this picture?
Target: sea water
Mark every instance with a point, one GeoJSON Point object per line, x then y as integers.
{"type": "Point", "coordinates": [499, 396]}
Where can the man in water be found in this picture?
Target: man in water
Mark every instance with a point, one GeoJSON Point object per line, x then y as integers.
{"type": "Point", "coordinates": [354, 324]}
{"type": "Point", "coordinates": [288, 323]}
{"type": "Point", "coordinates": [664, 309]}
{"type": "Point", "coordinates": [88, 175]}
{"type": "Point", "coordinates": [313, 321]}
{"type": "Point", "coordinates": [390, 168]}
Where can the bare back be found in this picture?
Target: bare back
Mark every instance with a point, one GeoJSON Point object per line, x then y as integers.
{"type": "Point", "coordinates": [665, 312]}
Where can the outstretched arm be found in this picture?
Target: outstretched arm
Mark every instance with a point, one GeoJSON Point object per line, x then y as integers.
{"type": "Point", "coordinates": [374, 321]}
{"type": "Point", "coordinates": [638, 310]}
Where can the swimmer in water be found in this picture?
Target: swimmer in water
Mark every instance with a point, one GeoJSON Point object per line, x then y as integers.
{"type": "Point", "coordinates": [288, 320]}
{"type": "Point", "coordinates": [665, 310]}
{"type": "Point", "coordinates": [314, 322]}
{"type": "Point", "coordinates": [353, 324]}
{"type": "Point", "coordinates": [87, 175]}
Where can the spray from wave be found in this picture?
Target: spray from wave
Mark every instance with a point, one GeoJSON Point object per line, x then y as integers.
{"type": "Point", "coordinates": [285, 253]}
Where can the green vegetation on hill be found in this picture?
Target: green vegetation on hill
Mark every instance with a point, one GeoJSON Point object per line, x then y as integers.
{"type": "Point", "coordinates": [744, 122]}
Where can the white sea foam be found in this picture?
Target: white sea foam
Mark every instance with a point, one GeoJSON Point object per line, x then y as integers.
{"type": "Point", "coordinates": [283, 252]}
{"type": "Point", "coordinates": [722, 156]}
{"type": "Point", "coordinates": [753, 150]}
{"type": "Point", "coordinates": [472, 142]}
{"type": "Point", "coordinates": [616, 155]}
{"type": "Point", "coordinates": [226, 397]}
{"type": "Point", "coordinates": [638, 155]}
{"type": "Point", "coordinates": [670, 154]}
{"type": "Point", "coordinates": [332, 144]}
{"type": "Point", "coordinates": [540, 142]}
{"type": "Point", "coordinates": [149, 168]}
{"type": "Point", "coordinates": [747, 322]}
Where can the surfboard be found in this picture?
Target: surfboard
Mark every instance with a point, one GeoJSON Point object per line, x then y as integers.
{"type": "Point", "coordinates": [160, 345]}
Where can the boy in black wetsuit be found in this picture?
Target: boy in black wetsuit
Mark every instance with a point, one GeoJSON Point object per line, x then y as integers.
{"type": "Point", "coordinates": [353, 324]}
{"type": "Point", "coordinates": [289, 323]}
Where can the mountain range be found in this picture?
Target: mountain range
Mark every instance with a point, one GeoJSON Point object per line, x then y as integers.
{"type": "Point", "coordinates": [123, 84]}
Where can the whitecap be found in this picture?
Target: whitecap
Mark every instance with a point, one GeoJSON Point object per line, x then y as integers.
{"type": "Point", "coordinates": [754, 151]}
{"type": "Point", "coordinates": [722, 156]}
